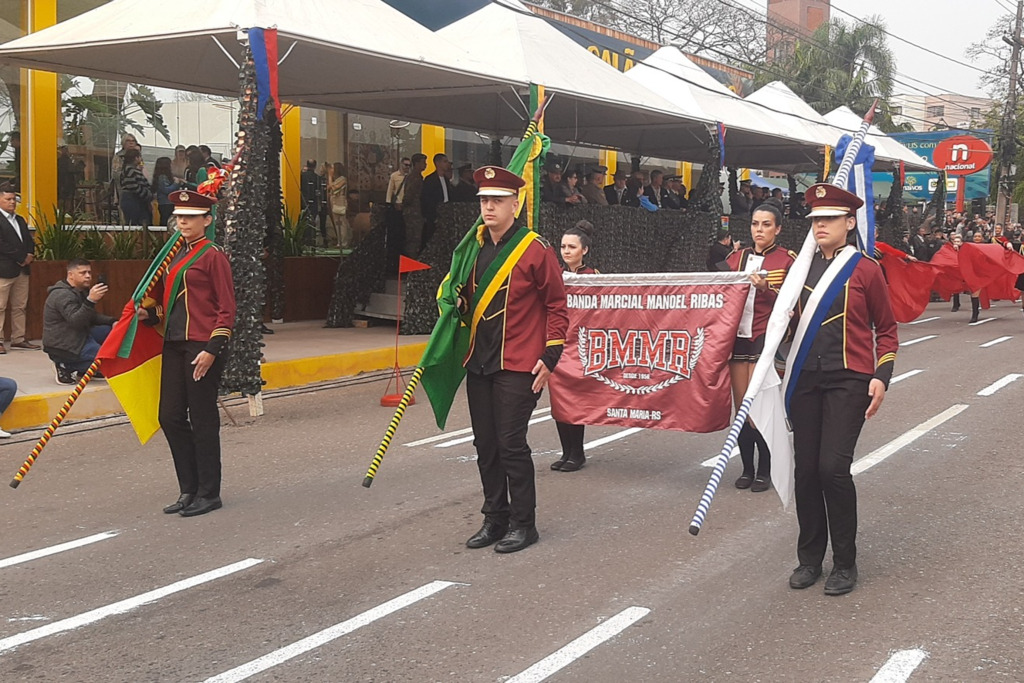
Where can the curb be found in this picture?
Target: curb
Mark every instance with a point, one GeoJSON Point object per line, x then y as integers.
{"type": "Point", "coordinates": [28, 412]}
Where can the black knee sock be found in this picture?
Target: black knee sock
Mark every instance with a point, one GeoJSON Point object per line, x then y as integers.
{"type": "Point", "coordinates": [746, 443]}
{"type": "Point", "coordinates": [975, 308]}
{"type": "Point", "coordinates": [764, 456]}
{"type": "Point", "coordinates": [956, 302]}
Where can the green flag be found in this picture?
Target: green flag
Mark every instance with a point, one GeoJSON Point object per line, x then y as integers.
{"type": "Point", "coordinates": [449, 342]}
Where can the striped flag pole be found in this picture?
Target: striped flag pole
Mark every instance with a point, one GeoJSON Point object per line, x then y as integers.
{"type": "Point", "coordinates": [389, 433]}
{"type": "Point", "coordinates": [80, 387]}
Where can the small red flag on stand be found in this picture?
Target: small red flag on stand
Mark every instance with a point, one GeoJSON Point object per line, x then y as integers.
{"type": "Point", "coordinates": [408, 265]}
{"type": "Point", "coordinates": [405, 265]}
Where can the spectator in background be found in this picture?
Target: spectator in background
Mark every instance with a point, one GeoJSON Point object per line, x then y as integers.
{"type": "Point", "coordinates": [68, 171]}
{"type": "Point", "coordinates": [675, 196]}
{"type": "Point", "coordinates": [136, 195]}
{"type": "Point", "coordinates": [720, 251]}
{"type": "Point", "coordinates": [593, 188]}
{"type": "Point", "coordinates": [17, 251]}
{"type": "Point", "coordinates": [551, 186]}
{"type": "Point", "coordinates": [465, 191]}
{"type": "Point", "coordinates": [195, 172]}
{"type": "Point", "coordinates": [918, 244]}
{"type": "Point", "coordinates": [8, 388]}
{"type": "Point", "coordinates": [570, 188]}
{"type": "Point", "coordinates": [634, 192]}
{"type": "Point", "coordinates": [396, 183]}
{"type": "Point", "coordinates": [337, 194]}
{"type": "Point", "coordinates": [437, 190]}
{"type": "Point", "coordinates": [656, 191]}
{"type": "Point", "coordinates": [208, 156]}
{"type": "Point", "coordinates": [165, 182]}
{"type": "Point", "coordinates": [309, 185]}
{"type": "Point", "coordinates": [615, 192]}
{"type": "Point", "coordinates": [797, 207]}
{"type": "Point", "coordinates": [180, 162]}
{"type": "Point", "coordinates": [776, 200]}
{"type": "Point", "coordinates": [73, 330]}
{"type": "Point", "coordinates": [741, 199]}
{"type": "Point", "coordinates": [412, 211]}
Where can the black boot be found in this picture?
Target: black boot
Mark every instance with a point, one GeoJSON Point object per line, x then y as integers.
{"type": "Point", "coordinates": [975, 308]}
{"type": "Point", "coordinates": [746, 444]}
{"type": "Point", "coordinates": [763, 480]}
{"type": "Point", "coordinates": [956, 303]}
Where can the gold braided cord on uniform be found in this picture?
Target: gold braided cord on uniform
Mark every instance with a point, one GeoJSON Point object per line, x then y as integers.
{"type": "Point", "coordinates": [80, 387]}
{"type": "Point", "coordinates": [389, 433]}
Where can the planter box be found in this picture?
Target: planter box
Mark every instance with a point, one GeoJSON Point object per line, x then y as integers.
{"type": "Point", "coordinates": [308, 284]}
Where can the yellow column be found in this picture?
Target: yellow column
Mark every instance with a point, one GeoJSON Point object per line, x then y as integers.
{"type": "Point", "coordinates": [609, 158]}
{"type": "Point", "coordinates": [686, 171]}
{"type": "Point", "coordinates": [40, 122]}
{"type": "Point", "coordinates": [744, 174]}
{"type": "Point", "coordinates": [431, 143]}
{"type": "Point", "coordinates": [291, 159]}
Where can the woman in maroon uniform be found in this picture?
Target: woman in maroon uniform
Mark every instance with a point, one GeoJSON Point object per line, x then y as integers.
{"type": "Point", "coordinates": [767, 264]}
{"type": "Point", "coordinates": [576, 244]}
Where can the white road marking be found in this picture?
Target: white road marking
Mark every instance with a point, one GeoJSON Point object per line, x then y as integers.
{"type": "Point", "coordinates": [325, 636]}
{"type": "Point", "coordinates": [999, 340]}
{"type": "Point", "coordinates": [612, 437]}
{"type": "Point", "coordinates": [899, 667]}
{"type": "Point", "coordinates": [123, 606]}
{"type": "Point", "coordinates": [981, 322]}
{"type": "Point", "coordinates": [581, 646]}
{"type": "Point", "coordinates": [460, 432]}
{"type": "Point", "coordinates": [996, 386]}
{"type": "Point", "coordinates": [911, 342]}
{"type": "Point", "coordinates": [906, 375]}
{"type": "Point", "coordinates": [924, 320]}
{"type": "Point", "coordinates": [54, 549]}
{"type": "Point", "coordinates": [880, 454]}
{"type": "Point", "coordinates": [467, 439]}
{"type": "Point", "coordinates": [710, 462]}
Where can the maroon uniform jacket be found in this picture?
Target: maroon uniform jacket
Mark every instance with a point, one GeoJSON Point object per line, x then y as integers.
{"type": "Point", "coordinates": [859, 331]}
{"type": "Point", "coordinates": [527, 319]}
{"type": "Point", "coordinates": [205, 306]}
{"type": "Point", "coordinates": [584, 269]}
{"type": "Point", "coordinates": [777, 261]}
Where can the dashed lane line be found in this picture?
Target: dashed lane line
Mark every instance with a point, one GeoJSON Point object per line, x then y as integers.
{"type": "Point", "coordinates": [123, 606]}
{"type": "Point", "coordinates": [900, 666]}
{"type": "Point", "coordinates": [460, 432]}
{"type": "Point", "coordinates": [54, 549]}
{"type": "Point", "coordinates": [911, 342]}
{"type": "Point", "coordinates": [998, 340]}
{"type": "Point", "coordinates": [329, 634]}
{"type": "Point", "coordinates": [999, 384]}
{"type": "Point", "coordinates": [581, 646]}
{"type": "Point", "coordinates": [905, 439]}
{"type": "Point", "coordinates": [981, 322]}
{"type": "Point", "coordinates": [467, 439]}
{"type": "Point", "coordinates": [924, 320]}
{"type": "Point", "coordinates": [612, 437]}
{"type": "Point", "coordinates": [906, 375]}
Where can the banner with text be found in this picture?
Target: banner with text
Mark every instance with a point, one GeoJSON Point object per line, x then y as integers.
{"type": "Point", "coordinates": [649, 350]}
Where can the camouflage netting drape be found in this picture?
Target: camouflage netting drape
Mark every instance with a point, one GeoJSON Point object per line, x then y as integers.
{"type": "Point", "coordinates": [361, 273]}
{"type": "Point", "coordinates": [935, 212]}
{"type": "Point", "coordinates": [253, 192]}
{"type": "Point", "coordinates": [890, 219]}
{"type": "Point", "coordinates": [274, 260]}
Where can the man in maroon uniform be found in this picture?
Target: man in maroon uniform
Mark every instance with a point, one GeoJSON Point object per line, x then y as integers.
{"type": "Point", "coordinates": [195, 301]}
{"type": "Point", "coordinates": [841, 383]}
{"type": "Point", "coordinates": [517, 331]}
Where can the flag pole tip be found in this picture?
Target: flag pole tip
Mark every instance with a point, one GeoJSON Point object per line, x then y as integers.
{"type": "Point", "coordinates": [366, 482]}
{"type": "Point", "coordinates": [15, 483]}
{"type": "Point", "coordinates": [694, 529]}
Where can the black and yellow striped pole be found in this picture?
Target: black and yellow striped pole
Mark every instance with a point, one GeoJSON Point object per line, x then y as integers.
{"type": "Point", "coordinates": [85, 379]}
{"type": "Point", "coordinates": [389, 433]}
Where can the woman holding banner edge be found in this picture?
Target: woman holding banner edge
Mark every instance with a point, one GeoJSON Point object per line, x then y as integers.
{"type": "Point", "coordinates": [765, 255]}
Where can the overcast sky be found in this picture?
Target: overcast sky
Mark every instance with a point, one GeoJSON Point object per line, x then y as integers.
{"type": "Point", "coordinates": [946, 26]}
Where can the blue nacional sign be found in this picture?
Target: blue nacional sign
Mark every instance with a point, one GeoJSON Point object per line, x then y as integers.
{"type": "Point", "coordinates": [922, 185]}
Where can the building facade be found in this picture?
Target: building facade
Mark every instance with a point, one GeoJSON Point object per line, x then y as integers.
{"type": "Point", "coordinates": [788, 20]}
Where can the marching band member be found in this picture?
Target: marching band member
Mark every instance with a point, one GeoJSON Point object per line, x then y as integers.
{"type": "Point", "coordinates": [765, 255]}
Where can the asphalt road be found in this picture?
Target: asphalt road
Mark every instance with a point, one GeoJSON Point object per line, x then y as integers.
{"type": "Point", "coordinates": [305, 575]}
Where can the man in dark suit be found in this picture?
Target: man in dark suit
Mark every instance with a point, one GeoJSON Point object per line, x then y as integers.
{"type": "Point", "coordinates": [656, 191]}
{"type": "Point", "coordinates": [617, 190]}
{"type": "Point", "coordinates": [465, 191]}
{"type": "Point", "coordinates": [437, 190]}
{"type": "Point", "coordinates": [17, 249]}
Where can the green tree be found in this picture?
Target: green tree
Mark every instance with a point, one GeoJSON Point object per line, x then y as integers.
{"type": "Point", "coordinates": [840, 64]}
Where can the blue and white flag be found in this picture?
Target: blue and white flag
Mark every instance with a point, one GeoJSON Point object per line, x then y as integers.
{"type": "Point", "coordinates": [859, 182]}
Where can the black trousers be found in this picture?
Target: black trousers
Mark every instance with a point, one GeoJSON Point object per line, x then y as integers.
{"type": "Point", "coordinates": [500, 405]}
{"type": "Point", "coordinates": [571, 437]}
{"type": "Point", "coordinates": [827, 413]}
{"type": "Point", "coordinates": [190, 418]}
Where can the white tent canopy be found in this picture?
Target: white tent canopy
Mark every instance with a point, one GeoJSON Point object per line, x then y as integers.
{"type": "Point", "coordinates": [755, 136]}
{"type": "Point", "coordinates": [844, 119]}
{"type": "Point", "coordinates": [333, 51]}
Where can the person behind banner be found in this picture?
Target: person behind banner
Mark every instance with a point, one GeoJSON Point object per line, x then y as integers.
{"type": "Point", "coordinates": [576, 243]}
{"type": "Point", "coordinates": [840, 381]}
{"type": "Point", "coordinates": [517, 307]}
{"type": "Point", "coordinates": [764, 255]}
{"type": "Point", "coordinates": [195, 302]}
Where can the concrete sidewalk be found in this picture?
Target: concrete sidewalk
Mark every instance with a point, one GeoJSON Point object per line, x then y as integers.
{"type": "Point", "coordinates": [297, 354]}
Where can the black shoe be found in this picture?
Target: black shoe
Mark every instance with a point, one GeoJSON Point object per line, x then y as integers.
{"type": "Point", "coordinates": [265, 330]}
{"type": "Point", "coordinates": [557, 465]}
{"type": "Point", "coordinates": [517, 539]}
{"type": "Point", "coordinates": [805, 576]}
{"type": "Point", "coordinates": [745, 481]}
{"type": "Point", "coordinates": [841, 581]}
{"type": "Point", "coordinates": [200, 506]}
{"type": "Point", "coordinates": [184, 500]}
{"type": "Point", "coordinates": [64, 376]}
{"type": "Point", "coordinates": [761, 484]}
{"type": "Point", "coordinates": [573, 465]}
{"type": "Point", "coordinates": [490, 533]}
